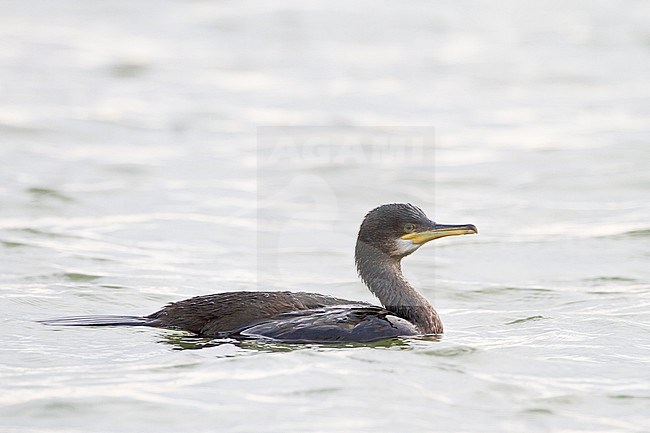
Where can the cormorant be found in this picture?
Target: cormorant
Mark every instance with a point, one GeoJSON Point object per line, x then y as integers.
{"type": "Point", "coordinates": [387, 234]}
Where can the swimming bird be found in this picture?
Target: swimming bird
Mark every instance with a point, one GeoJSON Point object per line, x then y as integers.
{"type": "Point", "coordinates": [387, 234]}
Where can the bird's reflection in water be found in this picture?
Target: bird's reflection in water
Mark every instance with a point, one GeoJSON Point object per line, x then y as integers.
{"type": "Point", "coordinates": [182, 341]}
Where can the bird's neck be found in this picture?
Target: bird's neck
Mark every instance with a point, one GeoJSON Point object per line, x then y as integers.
{"type": "Point", "coordinates": [383, 276]}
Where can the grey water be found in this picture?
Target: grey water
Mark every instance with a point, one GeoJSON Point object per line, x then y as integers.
{"type": "Point", "coordinates": [154, 151]}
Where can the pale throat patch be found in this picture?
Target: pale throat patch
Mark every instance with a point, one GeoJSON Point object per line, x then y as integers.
{"type": "Point", "coordinates": [406, 246]}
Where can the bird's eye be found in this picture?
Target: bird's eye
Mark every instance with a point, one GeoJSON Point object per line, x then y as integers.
{"type": "Point", "coordinates": [409, 227]}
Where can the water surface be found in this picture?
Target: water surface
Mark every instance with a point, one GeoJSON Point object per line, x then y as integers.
{"type": "Point", "coordinates": [134, 142]}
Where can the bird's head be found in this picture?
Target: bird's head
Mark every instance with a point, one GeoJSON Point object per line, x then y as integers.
{"type": "Point", "coordinates": [399, 229]}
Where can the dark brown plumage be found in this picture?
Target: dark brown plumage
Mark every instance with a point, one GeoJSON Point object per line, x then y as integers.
{"type": "Point", "coordinates": [387, 234]}
{"type": "Point", "coordinates": [211, 315]}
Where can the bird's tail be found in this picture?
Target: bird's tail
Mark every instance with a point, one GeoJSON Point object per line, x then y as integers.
{"type": "Point", "coordinates": [98, 321]}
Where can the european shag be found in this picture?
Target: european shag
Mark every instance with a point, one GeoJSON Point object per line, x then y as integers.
{"type": "Point", "coordinates": [388, 233]}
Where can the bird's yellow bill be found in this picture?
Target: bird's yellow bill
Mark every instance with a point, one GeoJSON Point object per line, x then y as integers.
{"type": "Point", "coordinates": [440, 231]}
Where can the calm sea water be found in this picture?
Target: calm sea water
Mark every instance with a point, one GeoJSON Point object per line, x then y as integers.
{"type": "Point", "coordinates": [153, 151]}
